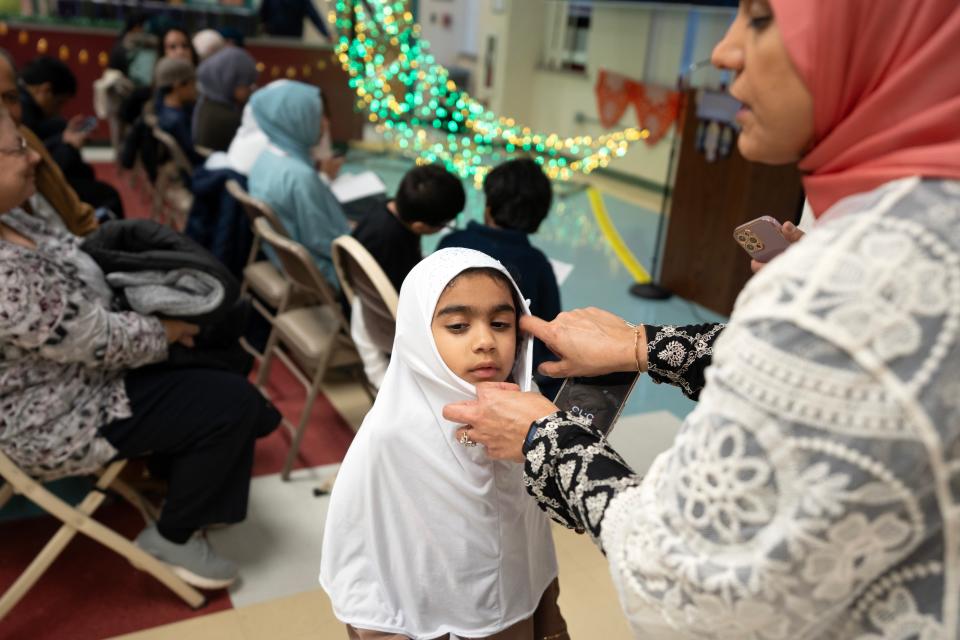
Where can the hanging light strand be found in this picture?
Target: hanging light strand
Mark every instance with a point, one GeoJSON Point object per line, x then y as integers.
{"type": "Point", "coordinates": [415, 104]}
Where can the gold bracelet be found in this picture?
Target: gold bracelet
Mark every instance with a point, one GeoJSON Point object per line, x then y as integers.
{"type": "Point", "coordinates": [636, 345]}
{"type": "Point", "coordinates": [636, 341]}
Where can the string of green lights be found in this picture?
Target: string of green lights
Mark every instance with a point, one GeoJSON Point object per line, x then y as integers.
{"type": "Point", "coordinates": [421, 110]}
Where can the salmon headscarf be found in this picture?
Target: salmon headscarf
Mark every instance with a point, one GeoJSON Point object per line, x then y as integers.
{"type": "Point", "coordinates": [885, 81]}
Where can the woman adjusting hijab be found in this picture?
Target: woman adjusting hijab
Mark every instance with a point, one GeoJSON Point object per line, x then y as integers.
{"type": "Point", "coordinates": [813, 491]}
{"type": "Point", "coordinates": [425, 536]}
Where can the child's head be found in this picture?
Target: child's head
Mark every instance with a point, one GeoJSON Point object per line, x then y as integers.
{"type": "Point", "coordinates": [428, 198]}
{"type": "Point", "coordinates": [518, 195]}
{"type": "Point", "coordinates": [475, 325]}
{"type": "Point", "coordinates": [176, 80]}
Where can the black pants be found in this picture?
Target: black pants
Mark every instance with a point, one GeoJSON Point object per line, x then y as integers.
{"type": "Point", "coordinates": [199, 426]}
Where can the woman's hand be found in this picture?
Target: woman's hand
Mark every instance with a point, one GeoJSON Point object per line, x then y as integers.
{"type": "Point", "coordinates": [590, 342]}
{"type": "Point", "coordinates": [790, 232]}
{"type": "Point", "coordinates": [74, 134]}
{"type": "Point", "coordinates": [499, 418]}
{"type": "Point", "coordinates": [331, 166]}
{"type": "Point", "coordinates": [180, 331]}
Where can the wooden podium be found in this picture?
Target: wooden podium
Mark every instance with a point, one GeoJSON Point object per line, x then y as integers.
{"type": "Point", "coordinates": [701, 261]}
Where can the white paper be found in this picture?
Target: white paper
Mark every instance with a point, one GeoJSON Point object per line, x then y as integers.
{"type": "Point", "coordinates": [353, 186]}
{"type": "Point", "coordinates": [561, 270]}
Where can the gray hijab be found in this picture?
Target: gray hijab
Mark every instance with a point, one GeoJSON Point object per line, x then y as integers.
{"type": "Point", "coordinates": [220, 74]}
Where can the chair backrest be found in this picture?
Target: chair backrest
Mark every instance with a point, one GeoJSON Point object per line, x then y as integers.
{"type": "Point", "coordinates": [299, 267]}
{"type": "Point", "coordinates": [173, 148]}
{"type": "Point", "coordinates": [362, 277]}
{"type": "Point", "coordinates": [255, 208]}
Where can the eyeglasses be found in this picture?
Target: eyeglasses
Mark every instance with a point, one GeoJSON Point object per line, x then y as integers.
{"type": "Point", "coordinates": [20, 150]}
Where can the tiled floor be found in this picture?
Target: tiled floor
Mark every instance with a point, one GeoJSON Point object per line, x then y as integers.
{"type": "Point", "coordinates": [278, 546]}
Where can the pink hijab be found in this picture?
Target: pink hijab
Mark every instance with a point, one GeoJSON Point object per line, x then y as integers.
{"type": "Point", "coordinates": [885, 80]}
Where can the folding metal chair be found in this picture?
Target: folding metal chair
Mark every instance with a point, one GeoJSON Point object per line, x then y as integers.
{"type": "Point", "coordinates": [363, 279]}
{"type": "Point", "coordinates": [261, 279]}
{"type": "Point", "coordinates": [78, 519]}
{"type": "Point", "coordinates": [310, 339]}
{"type": "Point", "coordinates": [172, 195]}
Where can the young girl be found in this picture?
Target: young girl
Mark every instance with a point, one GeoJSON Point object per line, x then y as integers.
{"type": "Point", "coordinates": [426, 537]}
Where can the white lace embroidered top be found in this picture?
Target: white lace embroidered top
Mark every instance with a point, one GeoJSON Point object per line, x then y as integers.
{"type": "Point", "coordinates": [814, 492]}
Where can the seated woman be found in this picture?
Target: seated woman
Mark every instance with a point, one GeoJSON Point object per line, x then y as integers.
{"type": "Point", "coordinates": [77, 391]}
{"type": "Point", "coordinates": [283, 176]}
{"type": "Point", "coordinates": [176, 82]}
{"type": "Point", "coordinates": [207, 42]}
{"type": "Point", "coordinates": [174, 42]}
{"type": "Point", "coordinates": [226, 81]}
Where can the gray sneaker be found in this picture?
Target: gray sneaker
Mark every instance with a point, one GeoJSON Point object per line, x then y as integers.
{"type": "Point", "coordinates": [194, 561]}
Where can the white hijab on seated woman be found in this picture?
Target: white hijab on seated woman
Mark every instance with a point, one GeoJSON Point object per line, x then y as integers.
{"type": "Point", "coordinates": [250, 141]}
{"type": "Point", "coordinates": [424, 536]}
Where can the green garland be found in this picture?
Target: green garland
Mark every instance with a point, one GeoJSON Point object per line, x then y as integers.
{"type": "Point", "coordinates": [416, 105]}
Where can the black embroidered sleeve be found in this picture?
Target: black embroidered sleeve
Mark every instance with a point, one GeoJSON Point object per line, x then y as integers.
{"type": "Point", "coordinates": [680, 355]}
{"type": "Point", "coordinates": [573, 473]}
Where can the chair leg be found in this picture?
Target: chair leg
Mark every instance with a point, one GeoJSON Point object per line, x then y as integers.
{"type": "Point", "coordinates": [6, 492]}
{"type": "Point", "coordinates": [78, 519]}
{"type": "Point", "coordinates": [304, 419]}
{"type": "Point", "coordinates": [361, 377]}
{"type": "Point", "coordinates": [149, 512]}
{"type": "Point", "coordinates": [267, 358]}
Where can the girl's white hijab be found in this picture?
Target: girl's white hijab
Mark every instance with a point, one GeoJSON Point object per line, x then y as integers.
{"type": "Point", "coordinates": [425, 536]}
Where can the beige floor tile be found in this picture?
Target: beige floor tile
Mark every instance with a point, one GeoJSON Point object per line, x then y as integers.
{"type": "Point", "coordinates": [223, 625]}
{"type": "Point", "coordinates": [588, 598]}
{"type": "Point", "coordinates": [299, 616]}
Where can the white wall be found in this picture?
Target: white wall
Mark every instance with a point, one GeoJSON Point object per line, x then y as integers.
{"type": "Point", "coordinates": [448, 42]}
{"type": "Point", "coordinates": [640, 42]}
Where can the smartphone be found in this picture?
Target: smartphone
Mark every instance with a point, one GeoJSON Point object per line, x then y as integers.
{"type": "Point", "coordinates": [88, 124]}
{"type": "Point", "coordinates": [599, 399]}
{"type": "Point", "coordinates": [761, 238]}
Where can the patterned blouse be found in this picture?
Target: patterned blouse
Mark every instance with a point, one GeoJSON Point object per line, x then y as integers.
{"type": "Point", "coordinates": [64, 352]}
{"type": "Point", "coordinates": [680, 355]}
{"type": "Point", "coordinates": [814, 492]}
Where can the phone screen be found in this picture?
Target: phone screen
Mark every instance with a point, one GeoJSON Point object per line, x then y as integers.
{"type": "Point", "coordinates": [599, 399]}
{"type": "Point", "coordinates": [89, 124]}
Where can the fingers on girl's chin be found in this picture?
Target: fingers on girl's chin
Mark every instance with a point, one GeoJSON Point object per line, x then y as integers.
{"type": "Point", "coordinates": [551, 371]}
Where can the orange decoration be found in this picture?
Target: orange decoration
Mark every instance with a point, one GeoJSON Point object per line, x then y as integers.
{"type": "Point", "coordinates": [23, 37]}
{"type": "Point", "coordinates": [261, 67]}
{"type": "Point", "coordinates": [3, 28]}
{"type": "Point", "coordinates": [103, 58]}
{"type": "Point", "coordinates": [83, 56]}
{"type": "Point", "coordinates": [64, 52]}
{"type": "Point", "coordinates": [42, 46]}
{"type": "Point", "coordinates": [657, 107]}
{"type": "Point", "coordinates": [291, 72]}
{"type": "Point", "coordinates": [274, 71]}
